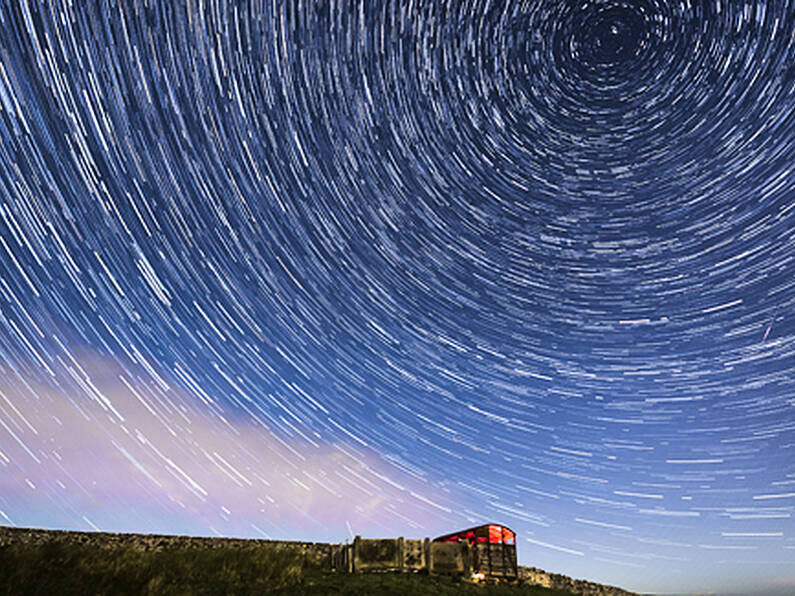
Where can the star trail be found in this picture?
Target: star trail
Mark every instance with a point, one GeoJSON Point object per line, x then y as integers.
{"type": "Point", "coordinates": [309, 269]}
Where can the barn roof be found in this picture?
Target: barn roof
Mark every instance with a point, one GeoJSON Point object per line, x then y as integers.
{"type": "Point", "coordinates": [484, 533]}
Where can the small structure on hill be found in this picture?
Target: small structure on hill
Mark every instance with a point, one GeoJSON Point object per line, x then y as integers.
{"type": "Point", "coordinates": [482, 552]}
{"type": "Point", "coordinates": [493, 549]}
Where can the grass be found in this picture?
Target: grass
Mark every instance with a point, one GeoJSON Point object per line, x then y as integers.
{"type": "Point", "coordinates": [65, 569]}
{"type": "Point", "coordinates": [323, 583]}
{"type": "Point", "coordinates": [56, 569]}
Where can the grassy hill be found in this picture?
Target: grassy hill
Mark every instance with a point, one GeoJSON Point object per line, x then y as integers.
{"type": "Point", "coordinates": [395, 584]}
{"type": "Point", "coordinates": [59, 568]}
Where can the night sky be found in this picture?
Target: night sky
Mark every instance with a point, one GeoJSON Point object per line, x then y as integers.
{"type": "Point", "coordinates": [307, 270]}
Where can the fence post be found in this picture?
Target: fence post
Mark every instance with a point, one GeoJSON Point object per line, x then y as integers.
{"type": "Point", "coordinates": [428, 552]}
{"type": "Point", "coordinates": [401, 553]}
{"type": "Point", "coordinates": [355, 562]}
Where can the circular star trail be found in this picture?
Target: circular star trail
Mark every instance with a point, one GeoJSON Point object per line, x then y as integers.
{"type": "Point", "coordinates": [533, 258]}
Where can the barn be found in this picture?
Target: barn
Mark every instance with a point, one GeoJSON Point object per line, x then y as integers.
{"type": "Point", "coordinates": [484, 552]}
{"type": "Point", "coordinates": [493, 549]}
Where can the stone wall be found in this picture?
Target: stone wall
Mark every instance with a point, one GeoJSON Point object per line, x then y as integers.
{"type": "Point", "coordinates": [539, 577]}
{"type": "Point", "coordinates": [317, 553]}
